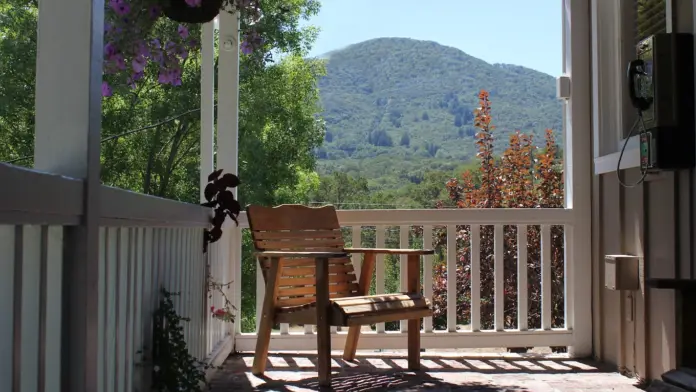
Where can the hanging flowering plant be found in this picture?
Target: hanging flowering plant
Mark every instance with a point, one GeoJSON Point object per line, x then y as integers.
{"type": "Point", "coordinates": [139, 36]}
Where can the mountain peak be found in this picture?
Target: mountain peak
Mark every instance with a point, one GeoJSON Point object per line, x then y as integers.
{"type": "Point", "coordinates": [401, 99]}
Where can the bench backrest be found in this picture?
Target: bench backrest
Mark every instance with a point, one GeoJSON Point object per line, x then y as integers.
{"type": "Point", "coordinates": [299, 228]}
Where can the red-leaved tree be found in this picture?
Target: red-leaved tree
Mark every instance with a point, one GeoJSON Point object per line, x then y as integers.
{"type": "Point", "coordinates": [525, 176]}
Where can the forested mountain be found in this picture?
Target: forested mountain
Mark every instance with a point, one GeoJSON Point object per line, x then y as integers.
{"type": "Point", "coordinates": [396, 108]}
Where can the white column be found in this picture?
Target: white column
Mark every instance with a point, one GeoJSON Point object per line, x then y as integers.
{"type": "Point", "coordinates": [68, 127]}
{"type": "Point", "coordinates": [207, 102]}
{"type": "Point", "coordinates": [578, 166]}
{"type": "Point", "coordinates": [228, 144]}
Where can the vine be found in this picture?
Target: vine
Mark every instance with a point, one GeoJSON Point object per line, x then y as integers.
{"type": "Point", "coordinates": [226, 312]}
{"type": "Point", "coordinates": [222, 201]}
{"type": "Point", "coordinates": [174, 368]}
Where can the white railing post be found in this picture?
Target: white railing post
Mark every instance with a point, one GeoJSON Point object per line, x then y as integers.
{"type": "Point", "coordinates": [68, 126]}
{"type": "Point", "coordinates": [228, 148]}
{"type": "Point", "coordinates": [578, 168]}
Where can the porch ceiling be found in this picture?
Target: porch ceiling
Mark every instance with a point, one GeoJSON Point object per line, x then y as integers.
{"type": "Point", "coordinates": [442, 371]}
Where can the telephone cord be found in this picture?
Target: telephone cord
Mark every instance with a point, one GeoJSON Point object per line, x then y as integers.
{"type": "Point", "coordinates": [643, 169]}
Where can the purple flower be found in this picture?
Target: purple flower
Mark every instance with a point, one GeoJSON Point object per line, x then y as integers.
{"type": "Point", "coordinates": [106, 89]}
{"type": "Point", "coordinates": [138, 64]}
{"type": "Point", "coordinates": [193, 3]}
{"type": "Point", "coordinates": [120, 7]}
{"type": "Point", "coordinates": [246, 47]}
{"type": "Point", "coordinates": [165, 76]}
{"type": "Point", "coordinates": [142, 50]}
{"type": "Point", "coordinates": [183, 31]}
{"type": "Point", "coordinates": [110, 50]}
{"type": "Point", "coordinates": [154, 11]}
{"type": "Point", "coordinates": [118, 61]}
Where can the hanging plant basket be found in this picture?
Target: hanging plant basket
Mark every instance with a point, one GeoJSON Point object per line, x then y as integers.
{"type": "Point", "coordinates": [180, 11]}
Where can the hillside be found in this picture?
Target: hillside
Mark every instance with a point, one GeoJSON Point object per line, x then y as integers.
{"type": "Point", "coordinates": [397, 107]}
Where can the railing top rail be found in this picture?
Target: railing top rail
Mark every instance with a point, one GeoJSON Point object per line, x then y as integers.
{"type": "Point", "coordinates": [32, 197]}
{"type": "Point", "coordinates": [459, 216]}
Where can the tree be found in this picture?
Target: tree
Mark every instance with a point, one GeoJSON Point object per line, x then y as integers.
{"type": "Point", "coordinates": [405, 140]}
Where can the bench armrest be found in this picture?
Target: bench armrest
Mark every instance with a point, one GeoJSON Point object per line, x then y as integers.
{"type": "Point", "coordinates": [316, 255]}
{"type": "Point", "coordinates": [386, 251]}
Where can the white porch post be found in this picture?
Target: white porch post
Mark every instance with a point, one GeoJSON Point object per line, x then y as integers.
{"type": "Point", "coordinates": [68, 127]}
{"type": "Point", "coordinates": [578, 169]}
{"type": "Point", "coordinates": [228, 144]}
{"type": "Point", "coordinates": [207, 103]}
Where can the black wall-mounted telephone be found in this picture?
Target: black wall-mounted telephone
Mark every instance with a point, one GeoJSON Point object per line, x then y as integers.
{"type": "Point", "coordinates": [661, 86]}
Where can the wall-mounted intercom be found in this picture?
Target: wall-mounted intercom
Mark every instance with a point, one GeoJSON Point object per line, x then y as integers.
{"type": "Point", "coordinates": [661, 87]}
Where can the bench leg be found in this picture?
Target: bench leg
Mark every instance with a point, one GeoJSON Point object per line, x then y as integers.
{"type": "Point", "coordinates": [323, 326]}
{"type": "Point", "coordinates": [414, 344]}
{"type": "Point", "coordinates": [413, 285]}
{"type": "Point", "coordinates": [351, 342]}
{"type": "Point", "coordinates": [263, 339]}
{"type": "Point", "coordinates": [368, 268]}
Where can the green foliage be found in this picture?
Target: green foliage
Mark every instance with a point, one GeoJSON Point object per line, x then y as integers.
{"type": "Point", "coordinates": [174, 369]}
{"type": "Point", "coordinates": [376, 91]}
{"type": "Point", "coordinates": [17, 74]}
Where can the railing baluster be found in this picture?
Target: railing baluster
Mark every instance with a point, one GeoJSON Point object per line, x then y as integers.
{"type": "Point", "coordinates": [522, 283]}
{"type": "Point", "coordinates": [54, 293]}
{"type": "Point", "coordinates": [138, 273]}
{"type": "Point", "coordinates": [428, 242]}
{"type": "Point", "coordinates": [568, 283]}
{"type": "Point", "coordinates": [111, 283]}
{"type": "Point", "coordinates": [356, 234]}
{"type": "Point", "coordinates": [130, 306]}
{"type": "Point", "coordinates": [148, 259]}
{"type": "Point", "coordinates": [475, 277]}
{"type": "Point", "coordinates": [29, 302]}
{"type": "Point", "coordinates": [121, 307]}
{"type": "Point", "coordinates": [499, 278]}
{"type": "Point", "coordinates": [7, 296]}
{"type": "Point", "coordinates": [403, 260]}
{"type": "Point", "coordinates": [546, 277]}
{"type": "Point", "coordinates": [186, 289]}
{"type": "Point", "coordinates": [451, 278]}
{"type": "Point", "coordinates": [379, 268]}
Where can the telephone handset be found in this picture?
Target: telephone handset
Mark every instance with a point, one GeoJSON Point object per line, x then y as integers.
{"type": "Point", "coordinates": [636, 72]}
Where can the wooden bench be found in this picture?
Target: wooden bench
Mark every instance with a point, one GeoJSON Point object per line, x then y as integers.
{"type": "Point", "coordinates": [310, 279]}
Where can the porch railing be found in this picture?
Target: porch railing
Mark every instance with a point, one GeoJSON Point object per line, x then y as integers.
{"type": "Point", "coordinates": [144, 243]}
{"type": "Point", "coordinates": [494, 241]}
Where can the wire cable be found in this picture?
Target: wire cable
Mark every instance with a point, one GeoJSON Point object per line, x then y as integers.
{"type": "Point", "coordinates": [643, 169]}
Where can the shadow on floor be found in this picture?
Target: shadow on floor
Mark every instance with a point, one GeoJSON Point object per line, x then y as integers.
{"type": "Point", "coordinates": [380, 381]}
{"type": "Point", "coordinates": [297, 372]}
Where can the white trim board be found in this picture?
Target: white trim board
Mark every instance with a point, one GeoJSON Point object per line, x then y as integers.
{"type": "Point", "coordinates": [429, 340]}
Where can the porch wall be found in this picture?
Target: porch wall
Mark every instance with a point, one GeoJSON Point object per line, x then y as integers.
{"type": "Point", "coordinates": [637, 330]}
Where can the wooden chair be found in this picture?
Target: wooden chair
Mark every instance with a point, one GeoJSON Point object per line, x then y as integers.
{"type": "Point", "coordinates": [310, 280]}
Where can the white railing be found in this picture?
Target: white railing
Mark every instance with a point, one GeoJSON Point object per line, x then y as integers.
{"type": "Point", "coordinates": [145, 243]}
{"type": "Point", "coordinates": [477, 241]}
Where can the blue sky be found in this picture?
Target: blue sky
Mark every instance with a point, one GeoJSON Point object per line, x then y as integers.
{"type": "Point", "coordinates": [522, 32]}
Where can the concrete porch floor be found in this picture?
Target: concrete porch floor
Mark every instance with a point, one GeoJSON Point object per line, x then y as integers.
{"type": "Point", "coordinates": [440, 371]}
